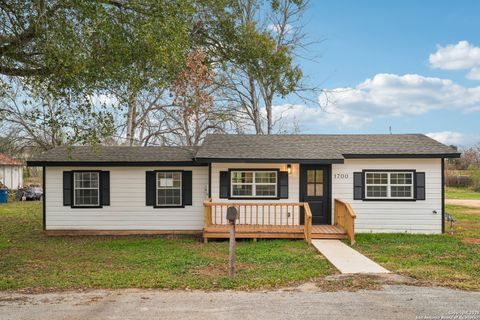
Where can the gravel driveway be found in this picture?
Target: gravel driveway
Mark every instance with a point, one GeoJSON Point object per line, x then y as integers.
{"type": "Point", "coordinates": [393, 302]}
{"type": "Point", "coordinates": [464, 202]}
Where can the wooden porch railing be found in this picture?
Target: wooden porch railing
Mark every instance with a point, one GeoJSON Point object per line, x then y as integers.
{"type": "Point", "coordinates": [282, 215]}
{"type": "Point", "coordinates": [308, 223]}
{"type": "Point", "coordinates": [345, 218]}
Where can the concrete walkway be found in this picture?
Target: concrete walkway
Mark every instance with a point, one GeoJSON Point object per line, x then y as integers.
{"type": "Point", "coordinates": [345, 259]}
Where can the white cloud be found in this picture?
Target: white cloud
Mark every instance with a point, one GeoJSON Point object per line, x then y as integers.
{"type": "Point", "coordinates": [289, 115]}
{"type": "Point", "coordinates": [396, 95]}
{"type": "Point", "coordinates": [385, 95]}
{"type": "Point", "coordinates": [447, 137]}
{"type": "Point", "coordinates": [276, 28]}
{"type": "Point", "coordinates": [460, 56]}
{"type": "Point", "coordinates": [474, 74]}
{"type": "Point", "coordinates": [455, 138]}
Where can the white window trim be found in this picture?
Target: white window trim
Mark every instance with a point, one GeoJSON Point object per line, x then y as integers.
{"type": "Point", "coordinates": [254, 184]}
{"type": "Point", "coordinates": [157, 187]}
{"type": "Point", "coordinates": [75, 204]}
{"type": "Point", "coordinates": [389, 185]}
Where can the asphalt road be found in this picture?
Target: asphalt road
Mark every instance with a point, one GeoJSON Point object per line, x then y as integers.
{"type": "Point", "coordinates": [393, 302]}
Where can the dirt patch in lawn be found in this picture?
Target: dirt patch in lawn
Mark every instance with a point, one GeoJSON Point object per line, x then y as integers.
{"type": "Point", "coordinates": [350, 283]}
{"type": "Point", "coordinates": [355, 282]}
{"type": "Point", "coordinates": [472, 240]}
{"type": "Point", "coordinates": [471, 211]}
{"type": "Point", "coordinates": [211, 270]}
{"type": "Point", "coordinates": [219, 270]}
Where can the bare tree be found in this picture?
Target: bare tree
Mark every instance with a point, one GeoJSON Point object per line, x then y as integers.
{"type": "Point", "coordinates": [264, 67]}
{"type": "Point", "coordinates": [194, 112]}
{"type": "Point", "coordinates": [287, 31]}
{"type": "Point", "coordinates": [180, 114]}
{"type": "Point", "coordinates": [42, 122]}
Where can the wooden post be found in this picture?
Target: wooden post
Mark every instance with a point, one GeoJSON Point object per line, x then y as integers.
{"type": "Point", "coordinates": [231, 264]}
{"type": "Point", "coordinates": [232, 215]}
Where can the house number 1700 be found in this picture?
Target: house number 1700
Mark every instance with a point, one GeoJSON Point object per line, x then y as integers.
{"type": "Point", "coordinates": [340, 175]}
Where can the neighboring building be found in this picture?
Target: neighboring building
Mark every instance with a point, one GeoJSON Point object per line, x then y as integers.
{"type": "Point", "coordinates": [11, 172]}
{"type": "Point", "coordinates": [393, 183]}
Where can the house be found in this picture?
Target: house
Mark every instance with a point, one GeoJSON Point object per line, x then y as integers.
{"type": "Point", "coordinates": [11, 172]}
{"type": "Point", "coordinates": [284, 186]}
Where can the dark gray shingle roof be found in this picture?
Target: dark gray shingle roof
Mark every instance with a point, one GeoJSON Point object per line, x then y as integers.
{"type": "Point", "coordinates": [117, 154]}
{"type": "Point", "coordinates": [330, 148]}
{"type": "Point", "coordinates": [320, 147]}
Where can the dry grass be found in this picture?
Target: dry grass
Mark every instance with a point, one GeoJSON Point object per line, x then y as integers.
{"type": "Point", "coordinates": [445, 260]}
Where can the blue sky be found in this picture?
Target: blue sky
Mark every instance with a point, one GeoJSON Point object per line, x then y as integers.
{"type": "Point", "coordinates": [385, 41]}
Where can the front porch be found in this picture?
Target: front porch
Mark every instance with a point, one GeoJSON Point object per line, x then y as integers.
{"type": "Point", "coordinates": [277, 220]}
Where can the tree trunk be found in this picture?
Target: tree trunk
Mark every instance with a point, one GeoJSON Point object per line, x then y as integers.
{"type": "Point", "coordinates": [255, 111]}
{"type": "Point", "coordinates": [131, 117]}
{"type": "Point", "coordinates": [268, 107]}
{"type": "Point", "coordinates": [186, 128]}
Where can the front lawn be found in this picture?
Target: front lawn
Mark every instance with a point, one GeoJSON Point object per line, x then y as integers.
{"type": "Point", "coordinates": [444, 260]}
{"type": "Point", "coordinates": [31, 260]}
{"type": "Point", "coordinates": [461, 193]}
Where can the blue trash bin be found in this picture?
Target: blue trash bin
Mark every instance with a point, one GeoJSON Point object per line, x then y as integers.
{"type": "Point", "coordinates": [3, 195]}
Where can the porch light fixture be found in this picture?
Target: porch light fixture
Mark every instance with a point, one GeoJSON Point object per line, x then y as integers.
{"type": "Point", "coordinates": [289, 168]}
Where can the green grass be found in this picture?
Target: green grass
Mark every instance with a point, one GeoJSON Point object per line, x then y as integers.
{"type": "Point", "coordinates": [461, 193]}
{"type": "Point", "coordinates": [31, 260]}
{"type": "Point", "coordinates": [445, 260]}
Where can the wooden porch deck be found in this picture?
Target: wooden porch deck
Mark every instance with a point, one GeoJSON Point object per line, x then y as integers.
{"type": "Point", "coordinates": [277, 220]}
{"type": "Point", "coordinates": [274, 231]}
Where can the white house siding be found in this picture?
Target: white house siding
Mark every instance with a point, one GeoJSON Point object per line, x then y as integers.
{"type": "Point", "coordinates": [127, 210]}
{"type": "Point", "coordinates": [392, 216]}
{"type": "Point", "coordinates": [11, 176]}
{"type": "Point", "coordinates": [293, 193]}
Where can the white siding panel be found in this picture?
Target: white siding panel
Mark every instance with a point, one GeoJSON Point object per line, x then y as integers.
{"type": "Point", "coordinates": [127, 210]}
{"type": "Point", "coordinates": [11, 176]}
{"type": "Point", "coordinates": [393, 216]}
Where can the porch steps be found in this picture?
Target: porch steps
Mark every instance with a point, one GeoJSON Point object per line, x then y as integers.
{"type": "Point", "coordinates": [279, 232]}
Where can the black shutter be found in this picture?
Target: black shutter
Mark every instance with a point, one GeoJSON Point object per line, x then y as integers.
{"type": "Point", "coordinates": [187, 188]}
{"type": "Point", "coordinates": [420, 185]}
{"type": "Point", "coordinates": [105, 188]}
{"type": "Point", "coordinates": [283, 184]}
{"type": "Point", "coordinates": [224, 184]}
{"type": "Point", "coordinates": [67, 187]}
{"type": "Point", "coordinates": [357, 186]}
{"type": "Point", "coordinates": [150, 187]}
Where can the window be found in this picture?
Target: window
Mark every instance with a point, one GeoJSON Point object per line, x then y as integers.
{"type": "Point", "coordinates": [169, 188]}
{"type": "Point", "coordinates": [86, 191]}
{"type": "Point", "coordinates": [389, 185]}
{"type": "Point", "coordinates": [254, 184]}
{"type": "Point", "coordinates": [314, 183]}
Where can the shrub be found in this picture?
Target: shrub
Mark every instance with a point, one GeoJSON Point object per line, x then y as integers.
{"type": "Point", "coordinates": [475, 177]}
{"type": "Point", "coordinates": [458, 181]}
